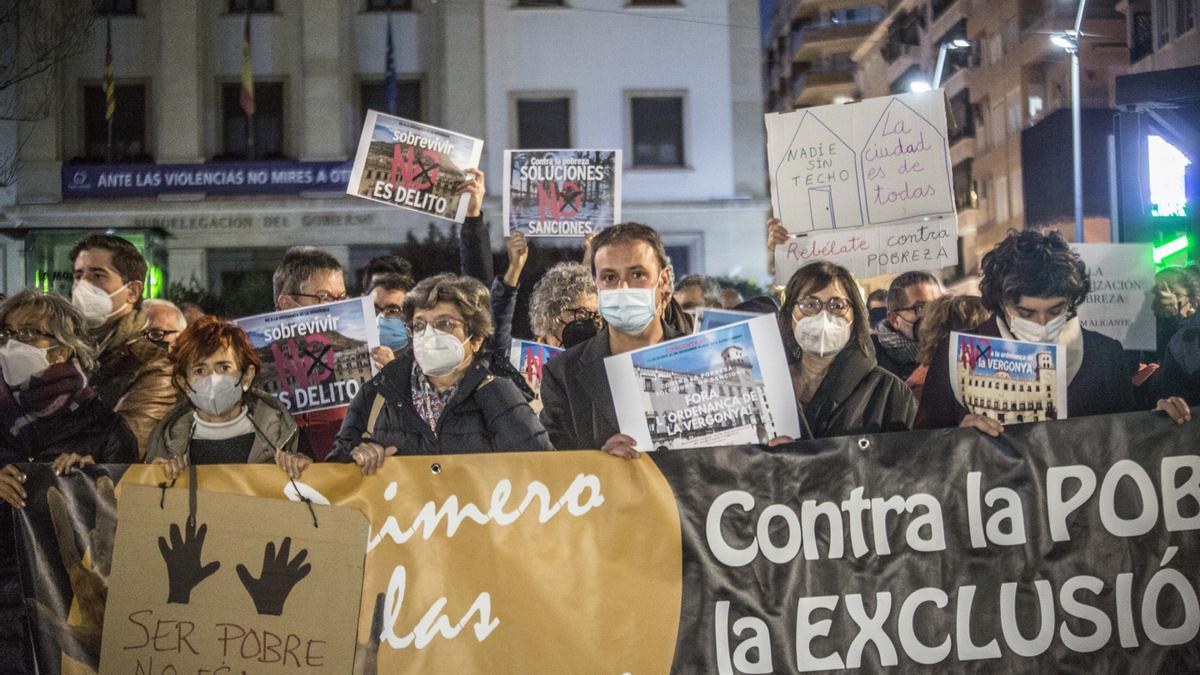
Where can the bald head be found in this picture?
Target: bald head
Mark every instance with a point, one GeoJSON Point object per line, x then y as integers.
{"type": "Point", "coordinates": [163, 317]}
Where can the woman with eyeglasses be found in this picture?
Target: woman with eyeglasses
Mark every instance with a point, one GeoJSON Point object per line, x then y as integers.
{"type": "Point", "coordinates": [564, 310]}
{"type": "Point", "coordinates": [439, 396]}
{"type": "Point", "coordinates": [48, 413]}
{"type": "Point", "coordinates": [223, 419]}
{"type": "Point", "coordinates": [826, 334]}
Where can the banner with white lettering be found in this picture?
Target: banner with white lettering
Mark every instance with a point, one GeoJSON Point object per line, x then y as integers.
{"type": "Point", "coordinates": [866, 185]}
{"type": "Point", "coordinates": [413, 166]}
{"type": "Point", "coordinates": [561, 193]}
{"type": "Point", "coordinates": [1120, 302]}
{"type": "Point", "coordinates": [314, 357]}
{"type": "Point", "coordinates": [1066, 546]}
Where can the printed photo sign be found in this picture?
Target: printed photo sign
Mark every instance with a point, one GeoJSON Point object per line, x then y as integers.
{"type": "Point", "coordinates": [561, 193]}
{"type": "Point", "coordinates": [1010, 381]}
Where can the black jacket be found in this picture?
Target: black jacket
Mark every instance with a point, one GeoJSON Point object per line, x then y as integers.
{"type": "Point", "coordinates": [1180, 371]}
{"type": "Point", "coordinates": [577, 405]}
{"type": "Point", "coordinates": [94, 429]}
{"type": "Point", "coordinates": [486, 414]}
{"type": "Point", "coordinates": [1103, 385]}
{"type": "Point", "coordinates": [856, 396]}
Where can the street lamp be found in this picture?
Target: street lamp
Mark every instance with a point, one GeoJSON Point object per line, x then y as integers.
{"type": "Point", "coordinates": [950, 46]}
{"type": "Point", "coordinates": [1069, 41]}
{"type": "Point", "coordinates": [919, 86]}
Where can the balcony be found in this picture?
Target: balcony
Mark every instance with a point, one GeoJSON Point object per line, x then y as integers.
{"type": "Point", "coordinates": [812, 38]}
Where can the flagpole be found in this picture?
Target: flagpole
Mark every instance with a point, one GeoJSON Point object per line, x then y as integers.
{"type": "Point", "coordinates": [247, 59]}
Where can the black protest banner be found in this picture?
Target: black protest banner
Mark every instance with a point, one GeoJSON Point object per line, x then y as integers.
{"type": "Point", "coordinates": [1067, 545]}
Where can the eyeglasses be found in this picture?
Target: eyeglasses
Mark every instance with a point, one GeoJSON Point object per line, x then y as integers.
{"type": "Point", "coordinates": [578, 314]}
{"type": "Point", "coordinates": [391, 311]}
{"type": "Point", "coordinates": [321, 297]}
{"type": "Point", "coordinates": [26, 335]}
{"type": "Point", "coordinates": [157, 334]}
{"type": "Point", "coordinates": [445, 324]}
{"type": "Point", "coordinates": [918, 309]}
{"type": "Point", "coordinates": [813, 306]}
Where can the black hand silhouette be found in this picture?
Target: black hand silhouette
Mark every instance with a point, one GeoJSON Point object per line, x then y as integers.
{"type": "Point", "coordinates": [271, 589]}
{"type": "Point", "coordinates": [184, 571]}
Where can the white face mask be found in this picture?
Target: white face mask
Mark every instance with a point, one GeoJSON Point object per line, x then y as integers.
{"type": "Point", "coordinates": [1032, 331]}
{"type": "Point", "coordinates": [92, 302]}
{"type": "Point", "coordinates": [821, 334]}
{"type": "Point", "coordinates": [216, 395]}
{"type": "Point", "coordinates": [628, 310]}
{"type": "Point", "coordinates": [20, 361]}
{"type": "Point", "coordinates": [437, 353]}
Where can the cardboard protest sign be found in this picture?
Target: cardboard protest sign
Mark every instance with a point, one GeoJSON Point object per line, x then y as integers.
{"type": "Point", "coordinates": [561, 193]}
{"type": "Point", "coordinates": [314, 357]}
{"type": "Point", "coordinates": [1010, 381]}
{"type": "Point", "coordinates": [866, 185]}
{"type": "Point", "coordinates": [413, 166]}
{"type": "Point", "coordinates": [725, 386]}
{"type": "Point", "coordinates": [247, 584]}
{"type": "Point", "coordinates": [708, 318]}
{"type": "Point", "coordinates": [1120, 302]}
{"type": "Point", "coordinates": [529, 358]}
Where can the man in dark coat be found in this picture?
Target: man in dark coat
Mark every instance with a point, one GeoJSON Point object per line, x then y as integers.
{"type": "Point", "coordinates": [897, 344]}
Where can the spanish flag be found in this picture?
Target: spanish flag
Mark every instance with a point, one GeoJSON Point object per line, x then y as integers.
{"type": "Point", "coordinates": [247, 97]}
{"type": "Point", "coordinates": [110, 86]}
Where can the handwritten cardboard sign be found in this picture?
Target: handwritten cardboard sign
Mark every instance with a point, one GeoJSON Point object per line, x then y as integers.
{"type": "Point", "coordinates": [866, 185]}
{"type": "Point", "coordinates": [1119, 304]}
{"type": "Point", "coordinates": [248, 585]}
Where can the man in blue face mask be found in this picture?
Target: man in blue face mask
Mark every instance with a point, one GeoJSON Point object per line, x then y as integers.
{"type": "Point", "coordinates": [633, 283]}
{"type": "Point", "coordinates": [387, 292]}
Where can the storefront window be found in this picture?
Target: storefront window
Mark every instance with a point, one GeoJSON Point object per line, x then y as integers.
{"type": "Point", "coordinates": [48, 262]}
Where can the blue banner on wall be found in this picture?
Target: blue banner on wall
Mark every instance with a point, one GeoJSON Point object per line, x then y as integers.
{"type": "Point", "coordinates": [216, 178]}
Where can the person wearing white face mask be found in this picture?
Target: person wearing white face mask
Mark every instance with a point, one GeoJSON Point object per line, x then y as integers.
{"type": "Point", "coordinates": [132, 375]}
{"type": "Point", "coordinates": [438, 396]}
{"type": "Point", "coordinates": [1033, 283]}
{"type": "Point", "coordinates": [826, 333]}
{"type": "Point", "coordinates": [633, 279]}
{"type": "Point", "coordinates": [223, 420]}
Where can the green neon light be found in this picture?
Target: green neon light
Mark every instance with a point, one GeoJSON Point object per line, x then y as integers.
{"type": "Point", "coordinates": [1169, 249]}
{"type": "Point", "coordinates": [1170, 210]}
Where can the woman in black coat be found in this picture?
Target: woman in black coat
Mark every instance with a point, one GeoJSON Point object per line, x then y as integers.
{"type": "Point", "coordinates": [1033, 283]}
{"type": "Point", "coordinates": [838, 385]}
{"type": "Point", "coordinates": [439, 397]}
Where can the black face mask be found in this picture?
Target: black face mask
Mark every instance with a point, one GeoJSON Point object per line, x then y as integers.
{"type": "Point", "coordinates": [917, 329]}
{"type": "Point", "coordinates": [578, 331]}
{"type": "Point", "coordinates": [877, 315]}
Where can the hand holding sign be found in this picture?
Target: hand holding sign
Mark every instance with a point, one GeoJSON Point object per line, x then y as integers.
{"type": "Point", "coordinates": [279, 575]}
{"type": "Point", "coordinates": [184, 571]}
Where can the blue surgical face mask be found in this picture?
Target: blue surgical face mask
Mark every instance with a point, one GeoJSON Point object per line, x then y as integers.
{"type": "Point", "coordinates": [628, 310]}
{"type": "Point", "coordinates": [393, 333]}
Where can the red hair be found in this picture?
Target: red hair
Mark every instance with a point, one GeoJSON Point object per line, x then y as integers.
{"type": "Point", "coordinates": [207, 336]}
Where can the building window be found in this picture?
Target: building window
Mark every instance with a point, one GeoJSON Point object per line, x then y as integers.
{"type": "Point", "coordinates": [116, 7]}
{"type": "Point", "coordinates": [1162, 13]}
{"type": "Point", "coordinates": [544, 123]}
{"type": "Point", "coordinates": [1185, 16]}
{"type": "Point", "coordinates": [389, 5]}
{"type": "Point", "coordinates": [254, 6]}
{"type": "Point", "coordinates": [373, 96]}
{"type": "Point", "coordinates": [268, 122]}
{"type": "Point", "coordinates": [964, 186]}
{"type": "Point", "coordinates": [657, 123]}
{"type": "Point", "coordinates": [962, 119]}
{"type": "Point", "coordinates": [128, 124]}
{"type": "Point", "coordinates": [539, 3]}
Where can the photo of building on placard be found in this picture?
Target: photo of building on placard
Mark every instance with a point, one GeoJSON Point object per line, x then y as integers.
{"type": "Point", "coordinates": [720, 387]}
{"type": "Point", "coordinates": [529, 358]}
{"type": "Point", "coordinates": [413, 166]}
{"type": "Point", "coordinates": [561, 193]}
{"type": "Point", "coordinates": [1010, 381]}
{"type": "Point", "coordinates": [317, 357]}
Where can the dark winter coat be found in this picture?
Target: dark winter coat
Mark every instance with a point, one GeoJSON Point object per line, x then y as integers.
{"type": "Point", "coordinates": [486, 414]}
{"type": "Point", "coordinates": [856, 396]}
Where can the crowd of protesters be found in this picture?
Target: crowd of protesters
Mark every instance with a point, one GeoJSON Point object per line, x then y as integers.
{"type": "Point", "coordinates": [108, 376]}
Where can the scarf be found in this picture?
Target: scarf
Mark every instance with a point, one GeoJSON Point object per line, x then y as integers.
{"type": "Point", "coordinates": [898, 346]}
{"type": "Point", "coordinates": [809, 374]}
{"type": "Point", "coordinates": [429, 402]}
{"type": "Point", "coordinates": [60, 389]}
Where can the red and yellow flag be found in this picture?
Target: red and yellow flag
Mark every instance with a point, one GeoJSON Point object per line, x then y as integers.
{"type": "Point", "coordinates": [110, 86]}
{"type": "Point", "coordinates": [247, 96]}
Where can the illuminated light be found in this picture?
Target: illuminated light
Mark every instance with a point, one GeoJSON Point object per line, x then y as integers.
{"type": "Point", "coordinates": [1168, 196]}
{"type": "Point", "coordinates": [960, 43]}
{"type": "Point", "coordinates": [1065, 40]}
{"type": "Point", "coordinates": [1169, 249]}
{"type": "Point", "coordinates": [919, 86]}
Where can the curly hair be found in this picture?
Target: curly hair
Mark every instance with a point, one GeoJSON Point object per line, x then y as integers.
{"type": "Point", "coordinates": [63, 322]}
{"type": "Point", "coordinates": [557, 290]}
{"type": "Point", "coordinates": [948, 313]}
{"type": "Point", "coordinates": [1032, 264]}
{"type": "Point", "coordinates": [468, 294]}
{"type": "Point", "coordinates": [207, 336]}
{"type": "Point", "coordinates": [812, 278]}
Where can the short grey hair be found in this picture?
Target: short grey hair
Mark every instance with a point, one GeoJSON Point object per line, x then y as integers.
{"type": "Point", "coordinates": [298, 264]}
{"type": "Point", "coordinates": [468, 294]}
{"type": "Point", "coordinates": [63, 322]}
{"type": "Point", "coordinates": [554, 292]}
{"type": "Point", "coordinates": [710, 290]}
{"type": "Point", "coordinates": [152, 305]}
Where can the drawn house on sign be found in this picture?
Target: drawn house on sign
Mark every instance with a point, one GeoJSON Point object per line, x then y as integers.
{"type": "Point", "coordinates": [818, 180]}
{"type": "Point", "coordinates": [905, 164]}
{"type": "Point", "coordinates": [734, 396]}
{"type": "Point", "coordinates": [1010, 399]}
